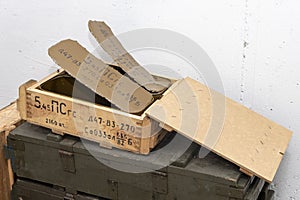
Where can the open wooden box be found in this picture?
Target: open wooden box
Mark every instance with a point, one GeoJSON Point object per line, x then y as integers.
{"type": "Point", "coordinates": [50, 103]}
{"type": "Point", "coordinates": [249, 140]}
{"type": "Point", "coordinates": [227, 128]}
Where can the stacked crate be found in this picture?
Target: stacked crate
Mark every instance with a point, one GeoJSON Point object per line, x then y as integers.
{"type": "Point", "coordinates": [143, 122]}
{"type": "Point", "coordinates": [50, 166]}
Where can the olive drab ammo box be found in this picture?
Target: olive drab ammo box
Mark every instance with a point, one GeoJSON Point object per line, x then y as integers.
{"type": "Point", "coordinates": [24, 189]}
{"type": "Point", "coordinates": [65, 166]}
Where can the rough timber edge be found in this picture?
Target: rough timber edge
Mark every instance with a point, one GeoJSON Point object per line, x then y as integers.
{"type": "Point", "coordinates": [34, 88]}
{"type": "Point", "coordinates": [9, 120]}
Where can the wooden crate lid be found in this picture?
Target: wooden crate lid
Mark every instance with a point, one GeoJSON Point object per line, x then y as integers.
{"type": "Point", "coordinates": [110, 43]}
{"type": "Point", "coordinates": [105, 80]}
{"type": "Point", "coordinates": [100, 77]}
{"type": "Point", "coordinates": [229, 129]}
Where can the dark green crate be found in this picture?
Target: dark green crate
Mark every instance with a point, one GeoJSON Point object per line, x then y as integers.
{"type": "Point", "coordinates": [24, 189]}
{"type": "Point", "coordinates": [63, 161]}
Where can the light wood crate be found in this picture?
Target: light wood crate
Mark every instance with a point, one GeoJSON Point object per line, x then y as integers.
{"type": "Point", "coordinates": [49, 103]}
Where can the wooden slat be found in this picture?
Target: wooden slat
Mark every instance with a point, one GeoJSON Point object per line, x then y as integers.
{"type": "Point", "coordinates": [114, 48]}
{"type": "Point", "coordinates": [100, 77]}
{"type": "Point", "coordinates": [9, 118]}
{"type": "Point", "coordinates": [229, 129]}
{"type": "Point", "coordinates": [9, 115]}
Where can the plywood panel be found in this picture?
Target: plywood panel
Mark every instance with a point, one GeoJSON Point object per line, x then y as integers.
{"type": "Point", "coordinates": [229, 129]}
{"type": "Point", "coordinates": [114, 48]}
{"type": "Point", "coordinates": [100, 77]}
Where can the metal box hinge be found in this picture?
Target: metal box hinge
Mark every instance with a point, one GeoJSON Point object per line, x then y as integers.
{"type": "Point", "coordinates": [54, 137]}
{"type": "Point", "coordinates": [68, 161]}
{"type": "Point", "coordinates": [113, 192]}
{"type": "Point", "coordinates": [69, 196]}
{"type": "Point", "coordinates": [160, 182]}
{"type": "Point", "coordinates": [9, 154]}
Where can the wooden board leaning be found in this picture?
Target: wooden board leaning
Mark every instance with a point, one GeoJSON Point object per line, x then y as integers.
{"type": "Point", "coordinates": [251, 141]}
{"type": "Point", "coordinates": [9, 119]}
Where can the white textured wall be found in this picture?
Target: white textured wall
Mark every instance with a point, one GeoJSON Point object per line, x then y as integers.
{"type": "Point", "coordinates": [254, 44]}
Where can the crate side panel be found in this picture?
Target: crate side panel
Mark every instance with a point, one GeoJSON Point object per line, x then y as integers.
{"type": "Point", "coordinates": [72, 117]}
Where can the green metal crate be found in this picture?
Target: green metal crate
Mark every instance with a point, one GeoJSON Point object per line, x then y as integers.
{"type": "Point", "coordinates": [64, 162]}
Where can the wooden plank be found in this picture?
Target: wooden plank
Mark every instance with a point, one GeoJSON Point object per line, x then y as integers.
{"type": "Point", "coordinates": [229, 129]}
{"type": "Point", "coordinates": [9, 118]}
{"type": "Point", "coordinates": [114, 48]}
{"type": "Point", "coordinates": [21, 102]}
{"type": "Point", "coordinates": [100, 77]}
{"type": "Point", "coordinates": [87, 121]}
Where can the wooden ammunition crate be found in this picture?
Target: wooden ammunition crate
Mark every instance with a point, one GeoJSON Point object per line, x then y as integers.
{"type": "Point", "coordinates": [51, 103]}
{"type": "Point", "coordinates": [188, 107]}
